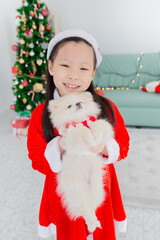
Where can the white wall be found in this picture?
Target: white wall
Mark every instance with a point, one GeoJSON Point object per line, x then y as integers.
{"type": "Point", "coordinates": [120, 26]}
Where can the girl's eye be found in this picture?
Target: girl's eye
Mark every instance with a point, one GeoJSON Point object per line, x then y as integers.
{"type": "Point", "coordinates": [69, 106]}
{"type": "Point", "coordinates": [64, 65]}
{"type": "Point", "coordinates": [84, 69]}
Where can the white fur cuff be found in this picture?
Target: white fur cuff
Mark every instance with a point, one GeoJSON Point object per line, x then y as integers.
{"type": "Point", "coordinates": [52, 155]}
{"type": "Point", "coordinates": [45, 232]}
{"type": "Point", "coordinates": [113, 151]}
{"type": "Point", "coordinates": [120, 226]}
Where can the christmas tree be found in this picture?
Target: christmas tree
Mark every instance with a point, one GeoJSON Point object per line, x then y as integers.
{"type": "Point", "coordinates": [33, 34]}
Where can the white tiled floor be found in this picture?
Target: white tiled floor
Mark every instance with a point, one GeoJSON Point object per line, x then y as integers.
{"type": "Point", "coordinates": [20, 194]}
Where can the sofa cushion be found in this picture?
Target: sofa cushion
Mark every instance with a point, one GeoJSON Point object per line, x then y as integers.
{"type": "Point", "coordinates": [133, 98]}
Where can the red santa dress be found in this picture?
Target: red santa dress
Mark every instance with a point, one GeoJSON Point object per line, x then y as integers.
{"type": "Point", "coordinates": [45, 158]}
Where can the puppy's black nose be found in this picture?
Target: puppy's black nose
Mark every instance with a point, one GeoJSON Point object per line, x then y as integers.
{"type": "Point", "coordinates": [78, 104]}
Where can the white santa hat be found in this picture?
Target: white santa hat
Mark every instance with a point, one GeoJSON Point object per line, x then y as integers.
{"type": "Point", "coordinates": [75, 33]}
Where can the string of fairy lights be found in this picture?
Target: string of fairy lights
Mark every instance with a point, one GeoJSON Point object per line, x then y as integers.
{"type": "Point", "coordinates": [139, 67]}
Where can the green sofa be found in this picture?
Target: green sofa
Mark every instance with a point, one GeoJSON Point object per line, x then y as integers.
{"type": "Point", "coordinates": [120, 77]}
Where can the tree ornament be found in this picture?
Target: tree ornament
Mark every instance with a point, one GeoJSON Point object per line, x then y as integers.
{"type": "Point", "coordinates": [31, 13]}
{"type": "Point", "coordinates": [12, 106]}
{"type": "Point", "coordinates": [25, 83]}
{"type": "Point", "coordinates": [23, 27]}
{"type": "Point", "coordinates": [41, 29]}
{"type": "Point", "coordinates": [20, 86]}
{"type": "Point", "coordinates": [48, 28]}
{"type": "Point", "coordinates": [31, 53]}
{"type": "Point", "coordinates": [22, 42]}
{"type": "Point", "coordinates": [44, 45]}
{"type": "Point", "coordinates": [34, 67]}
{"type": "Point", "coordinates": [14, 47]}
{"type": "Point", "coordinates": [39, 62]}
{"type": "Point", "coordinates": [16, 82]}
{"type": "Point", "coordinates": [29, 107]}
{"type": "Point", "coordinates": [14, 69]}
{"type": "Point", "coordinates": [41, 54]}
{"type": "Point", "coordinates": [20, 72]}
{"type": "Point", "coordinates": [27, 54]}
{"type": "Point", "coordinates": [31, 45]}
{"type": "Point", "coordinates": [21, 60]}
{"type": "Point", "coordinates": [38, 4]}
{"type": "Point", "coordinates": [34, 26]}
{"type": "Point", "coordinates": [24, 100]}
{"type": "Point", "coordinates": [38, 87]}
{"type": "Point", "coordinates": [33, 94]}
{"type": "Point", "coordinates": [17, 58]}
{"type": "Point", "coordinates": [44, 91]}
{"type": "Point", "coordinates": [23, 18]}
{"type": "Point", "coordinates": [35, 10]}
{"type": "Point", "coordinates": [29, 33]}
{"type": "Point", "coordinates": [31, 74]}
{"type": "Point", "coordinates": [44, 12]}
{"type": "Point", "coordinates": [40, 16]}
{"type": "Point", "coordinates": [43, 76]}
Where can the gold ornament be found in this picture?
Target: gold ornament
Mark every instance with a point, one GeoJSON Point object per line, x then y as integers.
{"type": "Point", "coordinates": [39, 62]}
{"type": "Point", "coordinates": [34, 26]}
{"type": "Point", "coordinates": [23, 1]}
{"type": "Point", "coordinates": [43, 76]}
{"type": "Point", "coordinates": [15, 90]}
{"type": "Point", "coordinates": [38, 87]}
{"type": "Point", "coordinates": [26, 54]}
{"type": "Point", "coordinates": [20, 72]}
{"type": "Point", "coordinates": [31, 13]}
{"type": "Point", "coordinates": [22, 42]}
{"type": "Point", "coordinates": [34, 67]}
{"type": "Point", "coordinates": [17, 58]}
{"type": "Point", "coordinates": [21, 60]}
{"type": "Point", "coordinates": [24, 100]}
{"type": "Point", "coordinates": [23, 27]}
{"type": "Point", "coordinates": [23, 18]}
{"type": "Point", "coordinates": [21, 86]}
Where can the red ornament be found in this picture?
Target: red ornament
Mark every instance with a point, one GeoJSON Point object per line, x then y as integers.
{"type": "Point", "coordinates": [12, 107]}
{"type": "Point", "coordinates": [31, 74]}
{"type": "Point", "coordinates": [48, 28]}
{"type": "Point", "coordinates": [25, 83]}
{"type": "Point", "coordinates": [44, 12]}
{"type": "Point", "coordinates": [29, 32]}
{"type": "Point", "coordinates": [14, 47]}
{"type": "Point", "coordinates": [14, 70]}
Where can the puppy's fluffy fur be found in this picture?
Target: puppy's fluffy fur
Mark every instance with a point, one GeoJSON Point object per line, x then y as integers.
{"type": "Point", "coordinates": [80, 183]}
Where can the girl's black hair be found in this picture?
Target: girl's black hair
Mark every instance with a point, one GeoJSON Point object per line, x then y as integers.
{"type": "Point", "coordinates": [104, 103]}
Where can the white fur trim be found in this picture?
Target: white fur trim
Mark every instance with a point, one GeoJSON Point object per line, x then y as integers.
{"type": "Point", "coordinates": [113, 151]}
{"type": "Point", "coordinates": [90, 237]}
{"type": "Point", "coordinates": [75, 33]}
{"type": "Point", "coordinates": [45, 232]}
{"type": "Point", "coordinates": [120, 226]}
{"type": "Point", "coordinates": [52, 155]}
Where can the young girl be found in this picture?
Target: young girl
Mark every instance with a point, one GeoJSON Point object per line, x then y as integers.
{"type": "Point", "coordinates": [73, 57]}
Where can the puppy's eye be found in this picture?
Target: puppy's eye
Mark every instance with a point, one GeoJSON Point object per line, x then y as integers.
{"type": "Point", "coordinates": [69, 106]}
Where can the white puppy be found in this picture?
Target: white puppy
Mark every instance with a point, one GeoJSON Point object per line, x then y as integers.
{"type": "Point", "coordinates": [80, 183]}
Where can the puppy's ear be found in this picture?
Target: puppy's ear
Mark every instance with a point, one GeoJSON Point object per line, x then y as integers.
{"type": "Point", "coordinates": [88, 95]}
{"type": "Point", "coordinates": [52, 105]}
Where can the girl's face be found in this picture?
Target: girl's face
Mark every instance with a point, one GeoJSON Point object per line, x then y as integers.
{"type": "Point", "coordinates": [73, 67]}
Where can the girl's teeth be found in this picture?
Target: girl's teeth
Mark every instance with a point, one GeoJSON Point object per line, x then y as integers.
{"type": "Point", "coordinates": [71, 86]}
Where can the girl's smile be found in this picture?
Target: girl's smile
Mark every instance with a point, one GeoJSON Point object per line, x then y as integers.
{"type": "Point", "coordinates": [73, 67]}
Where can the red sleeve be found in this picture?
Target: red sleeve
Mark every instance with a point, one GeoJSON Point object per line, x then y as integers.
{"type": "Point", "coordinates": [36, 143]}
{"type": "Point", "coordinates": [121, 134]}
